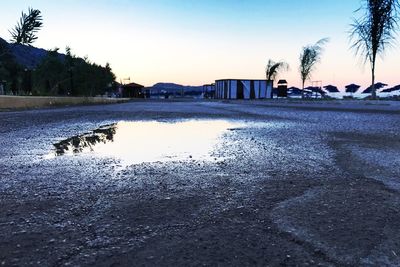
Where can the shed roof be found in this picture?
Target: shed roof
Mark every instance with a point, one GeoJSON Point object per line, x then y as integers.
{"type": "Point", "coordinates": [282, 82]}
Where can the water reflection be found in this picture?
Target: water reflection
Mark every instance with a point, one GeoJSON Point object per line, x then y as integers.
{"type": "Point", "coordinates": [79, 143]}
{"type": "Point", "coordinates": [150, 141]}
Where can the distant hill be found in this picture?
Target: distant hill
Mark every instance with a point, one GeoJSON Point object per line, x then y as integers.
{"type": "Point", "coordinates": [175, 88]}
{"type": "Point", "coordinates": [27, 56]}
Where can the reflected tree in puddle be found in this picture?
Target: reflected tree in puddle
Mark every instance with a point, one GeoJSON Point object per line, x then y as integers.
{"type": "Point", "coordinates": [78, 144]}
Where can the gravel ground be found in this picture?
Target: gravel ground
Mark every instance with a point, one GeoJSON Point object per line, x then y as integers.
{"type": "Point", "coordinates": [302, 184]}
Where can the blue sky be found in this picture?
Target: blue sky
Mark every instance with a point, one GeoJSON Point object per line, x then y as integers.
{"type": "Point", "coordinates": [196, 42]}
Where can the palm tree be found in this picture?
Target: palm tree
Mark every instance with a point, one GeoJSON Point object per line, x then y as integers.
{"type": "Point", "coordinates": [273, 68]}
{"type": "Point", "coordinates": [374, 31]}
{"type": "Point", "coordinates": [310, 55]}
{"type": "Point", "coordinates": [272, 71]}
{"type": "Point", "coordinates": [27, 27]}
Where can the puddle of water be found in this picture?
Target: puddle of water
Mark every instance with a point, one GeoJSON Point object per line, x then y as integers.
{"type": "Point", "coordinates": [150, 141]}
{"type": "Point", "coordinates": [78, 144]}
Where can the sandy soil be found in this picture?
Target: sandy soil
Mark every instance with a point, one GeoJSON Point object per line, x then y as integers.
{"type": "Point", "coordinates": [317, 184]}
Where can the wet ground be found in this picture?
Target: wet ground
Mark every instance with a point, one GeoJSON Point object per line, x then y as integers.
{"type": "Point", "coordinates": [279, 185]}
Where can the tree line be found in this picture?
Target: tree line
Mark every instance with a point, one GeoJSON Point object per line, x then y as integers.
{"type": "Point", "coordinates": [55, 74]}
{"type": "Point", "coordinates": [71, 76]}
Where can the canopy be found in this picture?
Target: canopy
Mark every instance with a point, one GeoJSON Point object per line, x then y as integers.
{"type": "Point", "coordinates": [315, 89]}
{"type": "Point", "coordinates": [352, 88]}
{"type": "Point", "coordinates": [331, 89]}
{"type": "Point", "coordinates": [377, 87]}
{"type": "Point", "coordinates": [394, 88]}
{"type": "Point", "coordinates": [294, 90]}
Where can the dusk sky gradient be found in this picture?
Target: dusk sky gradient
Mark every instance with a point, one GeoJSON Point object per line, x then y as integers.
{"type": "Point", "coordinates": [195, 42]}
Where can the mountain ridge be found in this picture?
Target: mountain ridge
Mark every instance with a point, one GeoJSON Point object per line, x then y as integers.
{"type": "Point", "coordinates": [174, 87]}
{"type": "Point", "coordinates": [27, 56]}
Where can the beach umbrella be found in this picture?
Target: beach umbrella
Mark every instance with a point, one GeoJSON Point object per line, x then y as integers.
{"type": "Point", "coordinates": [395, 88]}
{"type": "Point", "coordinates": [352, 88]}
{"type": "Point", "coordinates": [294, 90]}
{"type": "Point", "coordinates": [310, 88]}
{"type": "Point", "coordinates": [315, 89]}
{"type": "Point", "coordinates": [377, 87]}
{"type": "Point", "coordinates": [319, 90]}
{"type": "Point", "coordinates": [331, 89]}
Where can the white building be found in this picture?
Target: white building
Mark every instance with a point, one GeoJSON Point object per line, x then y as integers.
{"type": "Point", "coordinates": [243, 89]}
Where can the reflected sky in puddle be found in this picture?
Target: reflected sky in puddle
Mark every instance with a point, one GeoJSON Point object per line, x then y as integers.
{"type": "Point", "coordinates": [150, 141]}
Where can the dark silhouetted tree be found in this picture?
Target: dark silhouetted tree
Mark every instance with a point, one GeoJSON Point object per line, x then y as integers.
{"type": "Point", "coordinates": [69, 64]}
{"type": "Point", "coordinates": [50, 74]}
{"type": "Point", "coordinates": [26, 29]}
{"type": "Point", "coordinates": [11, 73]}
{"type": "Point", "coordinates": [374, 31]}
{"type": "Point", "coordinates": [310, 55]}
{"type": "Point", "coordinates": [273, 69]}
{"type": "Point", "coordinates": [69, 75]}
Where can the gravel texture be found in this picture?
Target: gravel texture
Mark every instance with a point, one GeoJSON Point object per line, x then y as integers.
{"type": "Point", "coordinates": [303, 184]}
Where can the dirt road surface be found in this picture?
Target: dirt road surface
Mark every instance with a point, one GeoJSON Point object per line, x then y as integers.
{"type": "Point", "coordinates": [300, 185]}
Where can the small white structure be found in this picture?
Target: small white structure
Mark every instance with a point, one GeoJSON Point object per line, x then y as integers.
{"type": "Point", "coordinates": [243, 89]}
